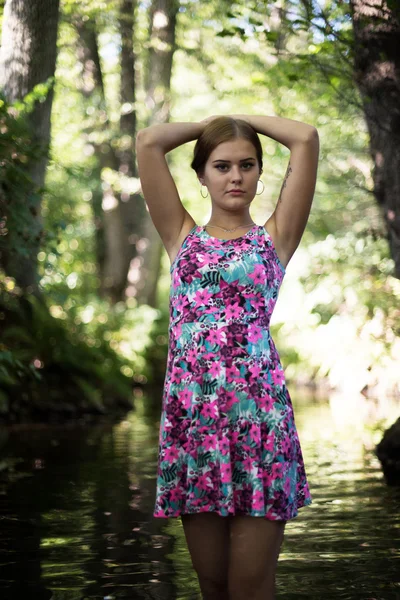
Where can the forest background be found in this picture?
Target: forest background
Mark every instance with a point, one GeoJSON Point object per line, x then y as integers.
{"type": "Point", "coordinates": [84, 278]}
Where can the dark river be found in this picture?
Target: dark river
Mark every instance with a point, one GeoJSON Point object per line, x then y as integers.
{"type": "Point", "coordinates": [76, 511]}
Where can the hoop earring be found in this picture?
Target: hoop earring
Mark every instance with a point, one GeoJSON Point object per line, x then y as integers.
{"type": "Point", "coordinates": [259, 194]}
{"type": "Point", "coordinates": [202, 193]}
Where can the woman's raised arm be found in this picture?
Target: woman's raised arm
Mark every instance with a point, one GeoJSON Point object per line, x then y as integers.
{"type": "Point", "coordinates": [168, 136]}
{"type": "Point", "coordinates": [289, 219]}
{"type": "Point", "coordinates": [158, 187]}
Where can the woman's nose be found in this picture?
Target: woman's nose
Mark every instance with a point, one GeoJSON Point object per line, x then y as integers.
{"type": "Point", "coordinates": [236, 174]}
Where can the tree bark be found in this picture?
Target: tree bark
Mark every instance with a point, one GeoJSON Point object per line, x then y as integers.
{"type": "Point", "coordinates": [27, 58]}
{"type": "Point", "coordinates": [377, 74]}
{"type": "Point", "coordinates": [133, 208]}
{"type": "Point", "coordinates": [158, 98]}
{"type": "Point", "coordinates": [119, 213]}
{"type": "Point", "coordinates": [111, 239]}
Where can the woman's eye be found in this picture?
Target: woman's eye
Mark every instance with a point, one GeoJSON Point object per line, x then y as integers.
{"type": "Point", "coordinates": [244, 164]}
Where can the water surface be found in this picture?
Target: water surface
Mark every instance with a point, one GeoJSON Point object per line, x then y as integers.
{"type": "Point", "coordinates": [76, 512]}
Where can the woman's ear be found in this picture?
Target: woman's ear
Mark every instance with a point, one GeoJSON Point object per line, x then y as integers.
{"type": "Point", "coordinates": [200, 177]}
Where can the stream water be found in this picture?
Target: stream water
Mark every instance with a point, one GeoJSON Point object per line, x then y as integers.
{"type": "Point", "coordinates": [76, 507]}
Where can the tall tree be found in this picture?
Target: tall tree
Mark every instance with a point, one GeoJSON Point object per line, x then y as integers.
{"type": "Point", "coordinates": [162, 44]}
{"type": "Point", "coordinates": [377, 74]}
{"type": "Point", "coordinates": [110, 232]}
{"type": "Point", "coordinates": [129, 247]}
{"type": "Point", "coordinates": [28, 58]}
{"type": "Point", "coordinates": [119, 210]}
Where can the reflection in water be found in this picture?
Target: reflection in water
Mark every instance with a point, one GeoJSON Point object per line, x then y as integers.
{"type": "Point", "coordinates": [76, 512]}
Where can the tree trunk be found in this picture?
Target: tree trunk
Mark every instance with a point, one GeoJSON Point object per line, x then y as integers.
{"type": "Point", "coordinates": [158, 99]}
{"type": "Point", "coordinates": [111, 239]}
{"type": "Point", "coordinates": [119, 214]}
{"type": "Point", "coordinates": [27, 58]}
{"type": "Point", "coordinates": [377, 74]}
{"type": "Point", "coordinates": [133, 207]}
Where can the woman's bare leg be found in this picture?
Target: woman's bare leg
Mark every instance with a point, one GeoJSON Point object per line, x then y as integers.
{"type": "Point", "coordinates": [254, 550]}
{"type": "Point", "coordinates": [207, 537]}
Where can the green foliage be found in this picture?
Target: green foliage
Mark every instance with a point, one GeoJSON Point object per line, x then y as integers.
{"type": "Point", "coordinates": [21, 231]}
{"type": "Point", "coordinates": [236, 58]}
{"type": "Point", "coordinates": [17, 191]}
{"type": "Point", "coordinates": [45, 369]}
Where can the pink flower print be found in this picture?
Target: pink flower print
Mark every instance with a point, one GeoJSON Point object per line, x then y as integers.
{"type": "Point", "coordinates": [248, 464]}
{"type": "Point", "coordinates": [255, 433]}
{"type": "Point", "coordinates": [278, 377]}
{"type": "Point", "coordinates": [171, 453]}
{"type": "Point", "coordinates": [232, 372]}
{"type": "Point", "coordinates": [181, 305]}
{"type": "Point", "coordinates": [233, 311]}
{"type": "Point", "coordinates": [270, 443]}
{"type": "Point", "coordinates": [167, 427]}
{"type": "Point", "coordinates": [234, 438]}
{"type": "Point", "coordinates": [204, 482]}
{"type": "Point", "coordinates": [205, 258]}
{"type": "Point", "coordinates": [277, 469]}
{"type": "Point", "coordinates": [258, 303]}
{"type": "Point", "coordinates": [226, 473]}
{"type": "Point", "coordinates": [185, 397]}
{"type": "Point", "coordinates": [215, 369]}
{"type": "Point", "coordinates": [176, 375]}
{"type": "Point", "coordinates": [178, 331]}
{"type": "Point", "coordinates": [254, 334]}
{"type": "Point", "coordinates": [266, 403]}
{"type": "Point", "coordinates": [231, 399]}
{"type": "Point", "coordinates": [210, 442]}
{"type": "Point", "coordinates": [209, 410]}
{"type": "Point", "coordinates": [255, 371]}
{"type": "Point", "coordinates": [192, 355]}
{"type": "Point", "coordinates": [258, 500]}
{"type": "Point", "coordinates": [258, 275]}
{"type": "Point", "coordinates": [216, 336]}
{"type": "Point", "coordinates": [286, 445]}
{"type": "Point", "coordinates": [267, 479]}
{"type": "Point", "coordinates": [202, 297]}
{"type": "Point", "coordinates": [175, 495]}
{"type": "Point", "coordinates": [224, 446]}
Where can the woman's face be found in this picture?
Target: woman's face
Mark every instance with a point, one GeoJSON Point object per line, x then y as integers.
{"type": "Point", "coordinates": [232, 165]}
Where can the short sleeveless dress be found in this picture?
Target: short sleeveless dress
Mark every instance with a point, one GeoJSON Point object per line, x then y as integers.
{"type": "Point", "coordinates": [228, 441]}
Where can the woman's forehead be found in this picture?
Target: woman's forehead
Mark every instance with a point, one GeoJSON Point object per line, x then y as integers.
{"type": "Point", "coordinates": [238, 149]}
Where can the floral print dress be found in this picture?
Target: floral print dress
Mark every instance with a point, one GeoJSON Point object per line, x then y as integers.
{"type": "Point", "coordinates": [228, 441]}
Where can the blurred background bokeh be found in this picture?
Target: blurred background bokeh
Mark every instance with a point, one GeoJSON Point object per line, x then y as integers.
{"type": "Point", "coordinates": [84, 277]}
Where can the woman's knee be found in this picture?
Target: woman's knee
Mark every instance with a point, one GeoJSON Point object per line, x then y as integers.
{"type": "Point", "coordinates": [207, 536]}
{"type": "Point", "coordinates": [254, 550]}
{"type": "Point", "coordinates": [212, 589]}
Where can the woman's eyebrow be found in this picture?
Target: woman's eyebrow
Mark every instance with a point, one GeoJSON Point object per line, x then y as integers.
{"type": "Point", "coordinates": [228, 161]}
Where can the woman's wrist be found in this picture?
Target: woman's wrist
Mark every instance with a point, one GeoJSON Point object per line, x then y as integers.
{"type": "Point", "coordinates": [285, 131]}
{"type": "Point", "coordinates": [168, 136]}
{"type": "Point", "coordinates": [246, 118]}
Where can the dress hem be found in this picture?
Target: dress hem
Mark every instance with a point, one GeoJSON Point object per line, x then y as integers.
{"type": "Point", "coordinates": [229, 514]}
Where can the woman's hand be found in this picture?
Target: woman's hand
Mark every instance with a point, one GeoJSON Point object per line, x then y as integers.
{"type": "Point", "coordinates": [209, 119]}
{"type": "Point", "coordinates": [246, 118]}
{"type": "Point", "coordinates": [242, 117]}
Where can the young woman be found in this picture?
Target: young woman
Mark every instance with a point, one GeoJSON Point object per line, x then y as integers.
{"type": "Point", "coordinates": [230, 461]}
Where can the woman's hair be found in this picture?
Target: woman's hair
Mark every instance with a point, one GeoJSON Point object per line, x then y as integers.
{"type": "Point", "coordinates": [219, 130]}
